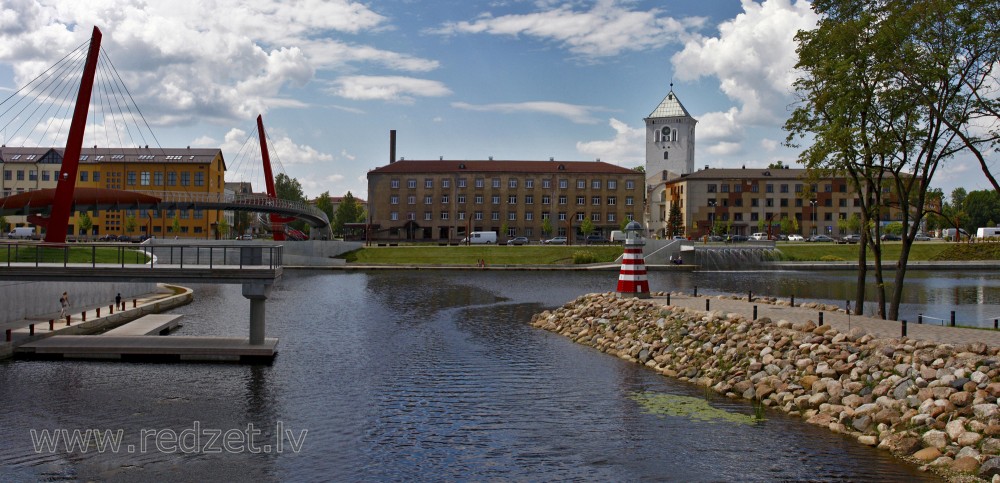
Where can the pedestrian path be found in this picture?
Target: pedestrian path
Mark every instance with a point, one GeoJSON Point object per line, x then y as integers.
{"type": "Point", "coordinates": [839, 320]}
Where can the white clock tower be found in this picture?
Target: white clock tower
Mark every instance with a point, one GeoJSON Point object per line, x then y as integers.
{"type": "Point", "coordinates": [670, 138]}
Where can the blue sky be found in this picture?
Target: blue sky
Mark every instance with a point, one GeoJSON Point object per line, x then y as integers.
{"type": "Point", "coordinates": [459, 79]}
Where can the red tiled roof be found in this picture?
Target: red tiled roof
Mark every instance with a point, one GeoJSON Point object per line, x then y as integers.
{"type": "Point", "coordinates": [449, 166]}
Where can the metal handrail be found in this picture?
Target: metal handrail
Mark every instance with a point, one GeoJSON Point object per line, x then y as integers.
{"type": "Point", "coordinates": [45, 254]}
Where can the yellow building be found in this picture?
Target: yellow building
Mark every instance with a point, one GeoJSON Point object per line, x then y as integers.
{"type": "Point", "coordinates": [181, 173]}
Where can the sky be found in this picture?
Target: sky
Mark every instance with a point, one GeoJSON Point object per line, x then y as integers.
{"type": "Point", "coordinates": [457, 79]}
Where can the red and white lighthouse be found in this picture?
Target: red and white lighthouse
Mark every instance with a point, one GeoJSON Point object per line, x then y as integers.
{"type": "Point", "coordinates": [632, 280]}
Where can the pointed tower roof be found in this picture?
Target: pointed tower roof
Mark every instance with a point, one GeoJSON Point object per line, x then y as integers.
{"type": "Point", "coordinates": [670, 106]}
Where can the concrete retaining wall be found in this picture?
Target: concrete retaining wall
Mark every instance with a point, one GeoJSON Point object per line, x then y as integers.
{"type": "Point", "coordinates": [26, 300]}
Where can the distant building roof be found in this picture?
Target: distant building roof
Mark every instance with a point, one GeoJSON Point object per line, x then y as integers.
{"type": "Point", "coordinates": [738, 173]}
{"type": "Point", "coordinates": [442, 166]}
{"type": "Point", "coordinates": [16, 154]}
{"type": "Point", "coordinates": [670, 106]}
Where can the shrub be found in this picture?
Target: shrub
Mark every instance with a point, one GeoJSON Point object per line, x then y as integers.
{"type": "Point", "coordinates": [584, 257]}
{"type": "Point", "coordinates": [830, 258]}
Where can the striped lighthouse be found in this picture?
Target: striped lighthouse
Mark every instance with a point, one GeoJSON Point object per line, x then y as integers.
{"type": "Point", "coordinates": [632, 280]}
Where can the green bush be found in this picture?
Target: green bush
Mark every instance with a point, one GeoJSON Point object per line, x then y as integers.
{"type": "Point", "coordinates": [831, 258]}
{"type": "Point", "coordinates": [584, 257]}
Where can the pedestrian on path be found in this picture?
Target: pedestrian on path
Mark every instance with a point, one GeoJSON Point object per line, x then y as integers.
{"type": "Point", "coordinates": [63, 305]}
{"type": "Point", "coordinates": [118, 300]}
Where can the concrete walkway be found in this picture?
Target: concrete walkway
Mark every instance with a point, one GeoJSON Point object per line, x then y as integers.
{"type": "Point", "coordinates": [839, 320]}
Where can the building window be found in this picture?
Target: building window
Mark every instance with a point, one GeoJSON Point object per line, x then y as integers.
{"type": "Point", "coordinates": [130, 178]}
{"type": "Point", "coordinates": [629, 201]}
{"type": "Point", "coordinates": [784, 188]}
{"type": "Point", "coordinates": [769, 188]}
{"type": "Point", "coordinates": [784, 202]}
{"type": "Point", "coordinates": [411, 183]}
{"type": "Point", "coordinates": [529, 183]}
{"type": "Point", "coordinates": [629, 185]}
{"type": "Point", "coordinates": [512, 200]}
{"type": "Point", "coordinates": [496, 199]}
{"type": "Point", "coordinates": [461, 215]}
{"type": "Point", "coordinates": [185, 179]}
{"type": "Point", "coordinates": [529, 216]}
{"type": "Point", "coordinates": [595, 184]}
{"type": "Point", "coordinates": [20, 175]}
{"type": "Point", "coordinates": [562, 216]}
{"type": "Point", "coordinates": [461, 182]}
{"type": "Point", "coordinates": [428, 183]}
{"type": "Point", "coordinates": [479, 199]}
{"type": "Point", "coordinates": [546, 199]}
{"type": "Point", "coordinates": [562, 199]}
{"type": "Point", "coordinates": [171, 179]}
{"type": "Point", "coordinates": [184, 214]}
{"type": "Point", "coordinates": [755, 188]}
{"type": "Point", "coordinates": [144, 178]}
{"type": "Point", "coordinates": [724, 188]}
{"type": "Point", "coordinates": [199, 214]}
{"type": "Point", "coordinates": [97, 176]}
{"type": "Point", "coordinates": [480, 182]}
{"type": "Point", "coordinates": [444, 199]}
{"type": "Point", "coordinates": [394, 200]}
{"type": "Point", "coordinates": [545, 216]}
{"type": "Point", "coordinates": [446, 183]}
{"type": "Point", "coordinates": [580, 216]}
{"type": "Point", "coordinates": [496, 182]}
{"type": "Point", "coordinates": [8, 175]}
{"type": "Point", "coordinates": [461, 199]}
{"type": "Point", "coordinates": [546, 183]}
{"type": "Point", "coordinates": [83, 176]}
{"type": "Point", "coordinates": [444, 215]}
{"type": "Point", "coordinates": [612, 200]}
{"type": "Point", "coordinates": [798, 202]}
{"type": "Point", "coordinates": [411, 200]}
{"type": "Point", "coordinates": [753, 202]}
{"type": "Point", "coordinates": [428, 200]}
{"type": "Point", "coordinates": [394, 216]}
{"type": "Point", "coordinates": [769, 202]}
{"type": "Point", "coordinates": [47, 177]}
{"type": "Point", "coordinates": [828, 188]}
{"type": "Point", "coordinates": [711, 188]}
{"type": "Point", "coordinates": [612, 184]}
{"type": "Point", "coordinates": [828, 202]}
{"type": "Point", "coordinates": [427, 216]}
{"type": "Point", "coordinates": [563, 184]}
{"type": "Point", "coordinates": [478, 216]}
{"type": "Point", "coordinates": [411, 216]}
{"type": "Point", "coordinates": [595, 217]}
{"type": "Point", "coordinates": [798, 188]}
{"type": "Point", "coordinates": [529, 199]}
{"type": "Point", "coordinates": [199, 179]}
{"type": "Point", "coordinates": [512, 183]}
{"type": "Point", "coordinates": [580, 200]}
{"type": "Point", "coordinates": [611, 217]}
{"type": "Point", "coordinates": [737, 188]}
{"type": "Point", "coordinates": [512, 216]}
{"type": "Point", "coordinates": [32, 175]}
{"type": "Point", "coordinates": [843, 202]}
{"type": "Point", "coordinates": [595, 200]}
{"type": "Point", "coordinates": [157, 178]}
{"type": "Point", "coordinates": [738, 202]}
{"type": "Point", "coordinates": [495, 216]}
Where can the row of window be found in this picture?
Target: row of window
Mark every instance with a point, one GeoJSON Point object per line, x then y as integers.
{"type": "Point", "coordinates": [513, 183]}
{"type": "Point", "coordinates": [783, 202]}
{"type": "Point", "coordinates": [712, 217]}
{"type": "Point", "coordinates": [144, 177]}
{"type": "Point", "coordinates": [511, 216]}
{"type": "Point", "coordinates": [512, 200]}
{"type": "Point", "coordinates": [168, 214]}
{"type": "Point", "coordinates": [769, 188]}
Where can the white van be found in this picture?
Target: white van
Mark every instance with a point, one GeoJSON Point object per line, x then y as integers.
{"type": "Point", "coordinates": [988, 232]}
{"type": "Point", "coordinates": [481, 237]}
{"type": "Point", "coordinates": [22, 232]}
{"type": "Point", "coordinates": [759, 236]}
{"type": "Point", "coordinates": [617, 236]}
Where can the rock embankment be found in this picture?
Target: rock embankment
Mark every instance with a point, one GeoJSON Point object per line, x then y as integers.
{"type": "Point", "coordinates": [934, 403]}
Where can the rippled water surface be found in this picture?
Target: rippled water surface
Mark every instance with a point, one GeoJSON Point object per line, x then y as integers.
{"type": "Point", "coordinates": [404, 376]}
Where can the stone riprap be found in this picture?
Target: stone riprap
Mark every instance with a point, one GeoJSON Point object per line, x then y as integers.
{"type": "Point", "coordinates": [933, 403]}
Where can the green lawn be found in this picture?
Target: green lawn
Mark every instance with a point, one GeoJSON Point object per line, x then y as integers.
{"type": "Point", "coordinates": [493, 255]}
{"type": "Point", "coordinates": [920, 251]}
{"type": "Point", "coordinates": [30, 252]}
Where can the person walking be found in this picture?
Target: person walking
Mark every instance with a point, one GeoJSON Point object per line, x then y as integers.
{"type": "Point", "coordinates": [118, 301]}
{"type": "Point", "coordinates": [63, 305]}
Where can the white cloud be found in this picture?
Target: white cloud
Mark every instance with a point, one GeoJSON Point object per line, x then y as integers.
{"type": "Point", "coordinates": [769, 144]}
{"type": "Point", "coordinates": [724, 149]}
{"type": "Point", "coordinates": [181, 62]}
{"type": "Point", "coordinates": [572, 112]}
{"type": "Point", "coordinates": [608, 28]}
{"type": "Point", "coordinates": [626, 149]}
{"type": "Point", "coordinates": [387, 88]}
{"type": "Point", "coordinates": [720, 127]}
{"type": "Point", "coordinates": [753, 57]}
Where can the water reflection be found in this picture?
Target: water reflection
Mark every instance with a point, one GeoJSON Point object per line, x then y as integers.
{"type": "Point", "coordinates": [407, 376]}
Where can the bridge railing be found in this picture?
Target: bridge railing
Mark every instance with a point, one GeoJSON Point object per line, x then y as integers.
{"type": "Point", "coordinates": [22, 254]}
{"type": "Point", "coordinates": [249, 201]}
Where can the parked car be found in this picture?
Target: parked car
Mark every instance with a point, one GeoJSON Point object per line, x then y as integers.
{"type": "Point", "coordinates": [559, 240]}
{"type": "Point", "coordinates": [820, 238]}
{"type": "Point", "coordinates": [678, 237]}
{"type": "Point", "coordinates": [517, 241]}
{"type": "Point", "coordinates": [921, 237]}
{"type": "Point", "coordinates": [782, 237]}
{"type": "Point", "coordinates": [736, 238]}
{"type": "Point", "coordinates": [890, 237]}
{"type": "Point", "coordinates": [716, 238]}
{"type": "Point", "coordinates": [124, 238]}
{"type": "Point", "coordinates": [758, 236]}
{"type": "Point", "coordinates": [796, 237]}
{"type": "Point", "coordinates": [852, 239]}
{"type": "Point", "coordinates": [596, 239]}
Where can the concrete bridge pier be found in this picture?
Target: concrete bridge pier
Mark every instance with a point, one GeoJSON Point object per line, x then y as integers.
{"type": "Point", "coordinates": [257, 293]}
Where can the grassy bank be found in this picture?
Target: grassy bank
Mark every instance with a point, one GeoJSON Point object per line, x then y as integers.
{"type": "Point", "coordinates": [492, 255]}
{"type": "Point", "coordinates": [73, 254]}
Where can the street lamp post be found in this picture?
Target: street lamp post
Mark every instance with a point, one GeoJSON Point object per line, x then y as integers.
{"type": "Point", "coordinates": [813, 215]}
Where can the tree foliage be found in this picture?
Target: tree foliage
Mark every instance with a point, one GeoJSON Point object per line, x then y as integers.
{"type": "Point", "coordinates": [288, 188]}
{"type": "Point", "coordinates": [675, 224]}
{"type": "Point", "coordinates": [982, 209]}
{"type": "Point", "coordinates": [890, 90]}
{"type": "Point", "coordinates": [349, 211]}
{"type": "Point", "coordinates": [131, 224]}
{"type": "Point", "coordinates": [86, 223]}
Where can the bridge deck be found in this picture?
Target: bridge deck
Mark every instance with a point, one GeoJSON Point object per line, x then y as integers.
{"type": "Point", "coordinates": [148, 347]}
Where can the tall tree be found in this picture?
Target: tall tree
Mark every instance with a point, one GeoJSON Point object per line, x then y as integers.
{"type": "Point", "coordinates": [983, 208]}
{"type": "Point", "coordinates": [675, 225]}
{"type": "Point", "coordinates": [325, 204]}
{"type": "Point", "coordinates": [349, 211]}
{"type": "Point", "coordinates": [288, 188]}
{"type": "Point", "coordinates": [885, 91]}
{"type": "Point", "coordinates": [86, 223]}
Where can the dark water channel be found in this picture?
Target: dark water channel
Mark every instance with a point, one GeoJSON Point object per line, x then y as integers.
{"type": "Point", "coordinates": [406, 376]}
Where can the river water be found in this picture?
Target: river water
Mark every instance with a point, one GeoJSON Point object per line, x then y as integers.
{"type": "Point", "coordinates": [408, 376]}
